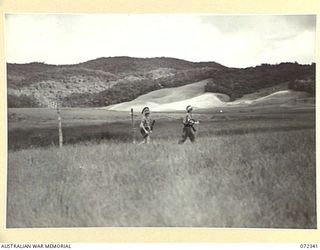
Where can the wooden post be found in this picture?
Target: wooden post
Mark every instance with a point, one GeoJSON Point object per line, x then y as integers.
{"type": "Point", "coordinates": [132, 123]}
{"type": "Point", "coordinates": [59, 121]}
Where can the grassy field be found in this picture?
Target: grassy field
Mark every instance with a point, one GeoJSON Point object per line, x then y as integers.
{"type": "Point", "coordinates": [249, 168]}
{"type": "Point", "coordinates": [252, 180]}
{"type": "Point", "coordinates": [32, 127]}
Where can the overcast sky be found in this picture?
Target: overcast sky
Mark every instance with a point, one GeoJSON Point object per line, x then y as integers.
{"type": "Point", "coordinates": [234, 41]}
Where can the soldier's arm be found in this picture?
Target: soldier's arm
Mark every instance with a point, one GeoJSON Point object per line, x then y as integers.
{"type": "Point", "coordinates": [142, 126]}
{"type": "Point", "coordinates": [152, 124]}
{"type": "Point", "coordinates": [185, 121]}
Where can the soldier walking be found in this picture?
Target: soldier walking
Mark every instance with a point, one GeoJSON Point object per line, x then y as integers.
{"type": "Point", "coordinates": [146, 125]}
{"type": "Point", "coordinates": [188, 128]}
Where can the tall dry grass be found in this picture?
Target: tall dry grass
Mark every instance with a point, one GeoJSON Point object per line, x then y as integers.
{"type": "Point", "coordinates": [252, 180]}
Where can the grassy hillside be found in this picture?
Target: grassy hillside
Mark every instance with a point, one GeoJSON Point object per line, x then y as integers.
{"type": "Point", "coordinates": [264, 180]}
{"type": "Point", "coordinates": [174, 99]}
{"type": "Point", "coordinates": [177, 98]}
{"type": "Point", "coordinates": [107, 81]}
{"type": "Point", "coordinates": [98, 82]}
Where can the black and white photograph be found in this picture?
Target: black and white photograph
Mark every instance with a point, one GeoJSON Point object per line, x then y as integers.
{"type": "Point", "coordinates": [160, 120]}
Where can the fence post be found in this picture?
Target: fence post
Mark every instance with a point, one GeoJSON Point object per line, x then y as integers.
{"type": "Point", "coordinates": [59, 120]}
{"type": "Point", "coordinates": [132, 124]}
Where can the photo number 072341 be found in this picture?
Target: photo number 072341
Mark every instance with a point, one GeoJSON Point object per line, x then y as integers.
{"type": "Point", "coordinates": [160, 120]}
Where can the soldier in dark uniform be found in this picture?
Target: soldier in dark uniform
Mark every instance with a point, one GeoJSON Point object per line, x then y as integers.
{"type": "Point", "coordinates": [146, 125]}
{"type": "Point", "coordinates": [188, 126]}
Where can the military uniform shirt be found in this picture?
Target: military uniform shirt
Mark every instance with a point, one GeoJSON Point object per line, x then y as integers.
{"type": "Point", "coordinates": [146, 122]}
{"type": "Point", "coordinates": [187, 119]}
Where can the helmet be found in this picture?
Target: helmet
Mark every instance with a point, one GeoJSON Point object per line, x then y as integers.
{"type": "Point", "coordinates": [145, 110]}
{"type": "Point", "coordinates": [189, 108]}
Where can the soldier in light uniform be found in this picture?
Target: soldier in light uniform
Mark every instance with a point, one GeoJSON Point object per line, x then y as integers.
{"type": "Point", "coordinates": [146, 125]}
{"type": "Point", "coordinates": [188, 128]}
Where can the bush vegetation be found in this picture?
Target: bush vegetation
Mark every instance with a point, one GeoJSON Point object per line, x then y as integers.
{"type": "Point", "coordinates": [107, 81]}
{"type": "Point", "coordinates": [237, 82]}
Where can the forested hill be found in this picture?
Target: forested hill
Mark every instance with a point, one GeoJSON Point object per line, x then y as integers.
{"type": "Point", "coordinates": [106, 81]}
{"type": "Point", "coordinates": [238, 82]}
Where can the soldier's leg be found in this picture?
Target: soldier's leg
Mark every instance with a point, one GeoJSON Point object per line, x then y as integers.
{"type": "Point", "coordinates": [192, 136]}
{"type": "Point", "coordinates": [184, 136]}
{"type": "Point", "coordinates": [147, 139]}
{"type": "Point", "coordinates": [144, 137]}
{"type": "Point", "coordinates": [143, 142]}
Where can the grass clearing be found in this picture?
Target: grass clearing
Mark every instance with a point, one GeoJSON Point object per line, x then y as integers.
{"type": "Point", "coordinates": [258, 180]}
{"type": "Point", "coordinates": [29, 128]}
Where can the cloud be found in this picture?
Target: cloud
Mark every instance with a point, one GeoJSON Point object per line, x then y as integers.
{"type": "Point", "coordinates": [236, 41]}
{"type": "Point", "coordinates": [260, 39]}
{"type": "Point", "coordinates": [301, 22]}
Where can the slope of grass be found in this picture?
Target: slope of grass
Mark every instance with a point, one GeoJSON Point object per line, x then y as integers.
{"type": "Point", "coordinates": [252, 180]}
{"type": "Point", "coordinates": [174, 99]}
{"type": "Point", "coordinates": [174, 94]}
